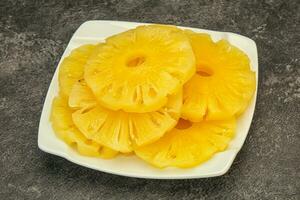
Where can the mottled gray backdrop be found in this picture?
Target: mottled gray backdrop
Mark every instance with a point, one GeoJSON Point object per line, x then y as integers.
{"type": "Point", "coordinates": [33, 36]}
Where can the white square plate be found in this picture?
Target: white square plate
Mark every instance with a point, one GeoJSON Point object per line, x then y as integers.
{"type": "Point", "coordinates": [95, 31]}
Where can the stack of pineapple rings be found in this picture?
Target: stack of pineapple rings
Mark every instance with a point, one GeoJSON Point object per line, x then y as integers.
{"type": "Point", "coordinates": [171, 96]}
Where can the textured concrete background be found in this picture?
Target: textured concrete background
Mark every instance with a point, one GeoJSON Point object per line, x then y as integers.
{"type": "Point", "coordinates": [33, 35]}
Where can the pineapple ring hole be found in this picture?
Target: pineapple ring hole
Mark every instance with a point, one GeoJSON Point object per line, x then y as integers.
{"type": "Point", "coordinates": [183, 124]}
{"type": "Point", "coordinates": [204, 71]}
{"type": "Point", "coordinates": [135, 61]}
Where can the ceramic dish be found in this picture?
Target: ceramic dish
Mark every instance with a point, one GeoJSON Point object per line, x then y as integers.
{"type": "Point", "coordinates": [96, 31]}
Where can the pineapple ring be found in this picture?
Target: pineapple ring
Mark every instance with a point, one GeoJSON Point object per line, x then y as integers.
{"type": "Point", "coordinates": [224, 83]}
{"type": "Point", "coordinates": [136, 70]}
{"type": "Point", "coordinates": [63, 126]}
{"type": "Point", "coordinates": [119, 130]}
{"type": "Point", "coordinates": [71, 68]}
{"type": "Point", "coordinates": [188, 144]}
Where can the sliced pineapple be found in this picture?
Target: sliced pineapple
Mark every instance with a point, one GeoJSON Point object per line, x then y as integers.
{"type": "Point", "coordinates": [61, 118]}
{"type": "Point", "coordinates": [137, 70]}
{"type": "Point", "coordinates": [72, 67]}
{"type": "Point", "coordinates": [123, 131]}
{"type": "Point", "coordinates": [188, 144]}
{"type": "Point", "coordinates": [224, 83]}
{"type": "Point", "coordinates": [81, 96]}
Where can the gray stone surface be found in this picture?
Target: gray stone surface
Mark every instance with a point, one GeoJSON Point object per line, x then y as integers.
{"type": "Point", "coordinates": [33, 35]}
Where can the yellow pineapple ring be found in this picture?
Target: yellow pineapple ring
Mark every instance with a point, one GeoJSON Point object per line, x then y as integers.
{"type": "Point", "coordinates": [63, 126]}
{"type": "Point", "coordinates": [188, 144]}
{"type": "Point", "coordinates": [71, 68]}
{"type": "Point", "coordinates": [224, 83]}
{"type": "Point", "coordinates": [136, 70]}
{"type": "Point", "coordinates": [120, 130]}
